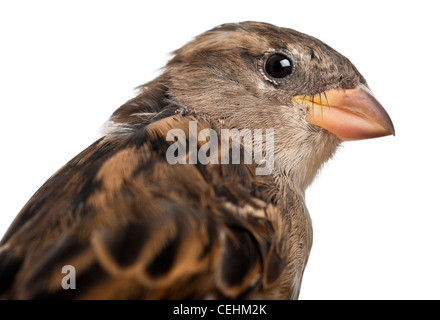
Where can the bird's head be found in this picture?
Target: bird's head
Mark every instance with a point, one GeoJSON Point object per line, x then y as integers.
{"type": "Point", "coordinates": [258, 76]}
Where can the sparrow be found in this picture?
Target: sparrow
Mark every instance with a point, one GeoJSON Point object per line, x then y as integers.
{"type": "Point", "coordinates": [128, 223]}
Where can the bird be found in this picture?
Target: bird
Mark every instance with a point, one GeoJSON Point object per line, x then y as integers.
{"type": "Point", "coordinates": [140, 214]}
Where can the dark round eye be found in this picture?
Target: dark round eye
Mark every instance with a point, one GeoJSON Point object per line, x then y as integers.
{"type": "Point", "coordinates": [278, 65]}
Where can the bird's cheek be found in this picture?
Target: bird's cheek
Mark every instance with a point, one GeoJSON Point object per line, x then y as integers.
{"type": "Point", "coordinates": [351, 114]}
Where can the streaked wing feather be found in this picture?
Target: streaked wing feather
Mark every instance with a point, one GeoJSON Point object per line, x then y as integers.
{"type": "Point", "coordinates": [136, 227]}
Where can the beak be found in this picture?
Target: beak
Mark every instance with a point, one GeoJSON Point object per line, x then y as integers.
{"type": "Point", "coordinates": [351, 114]}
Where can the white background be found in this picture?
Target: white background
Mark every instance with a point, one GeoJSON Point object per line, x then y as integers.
{"type": "Point", "coordinates": [65, 66]}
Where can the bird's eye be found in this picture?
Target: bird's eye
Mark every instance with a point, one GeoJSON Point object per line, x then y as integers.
{"type": "Point", "coordinates": [278, 65]}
